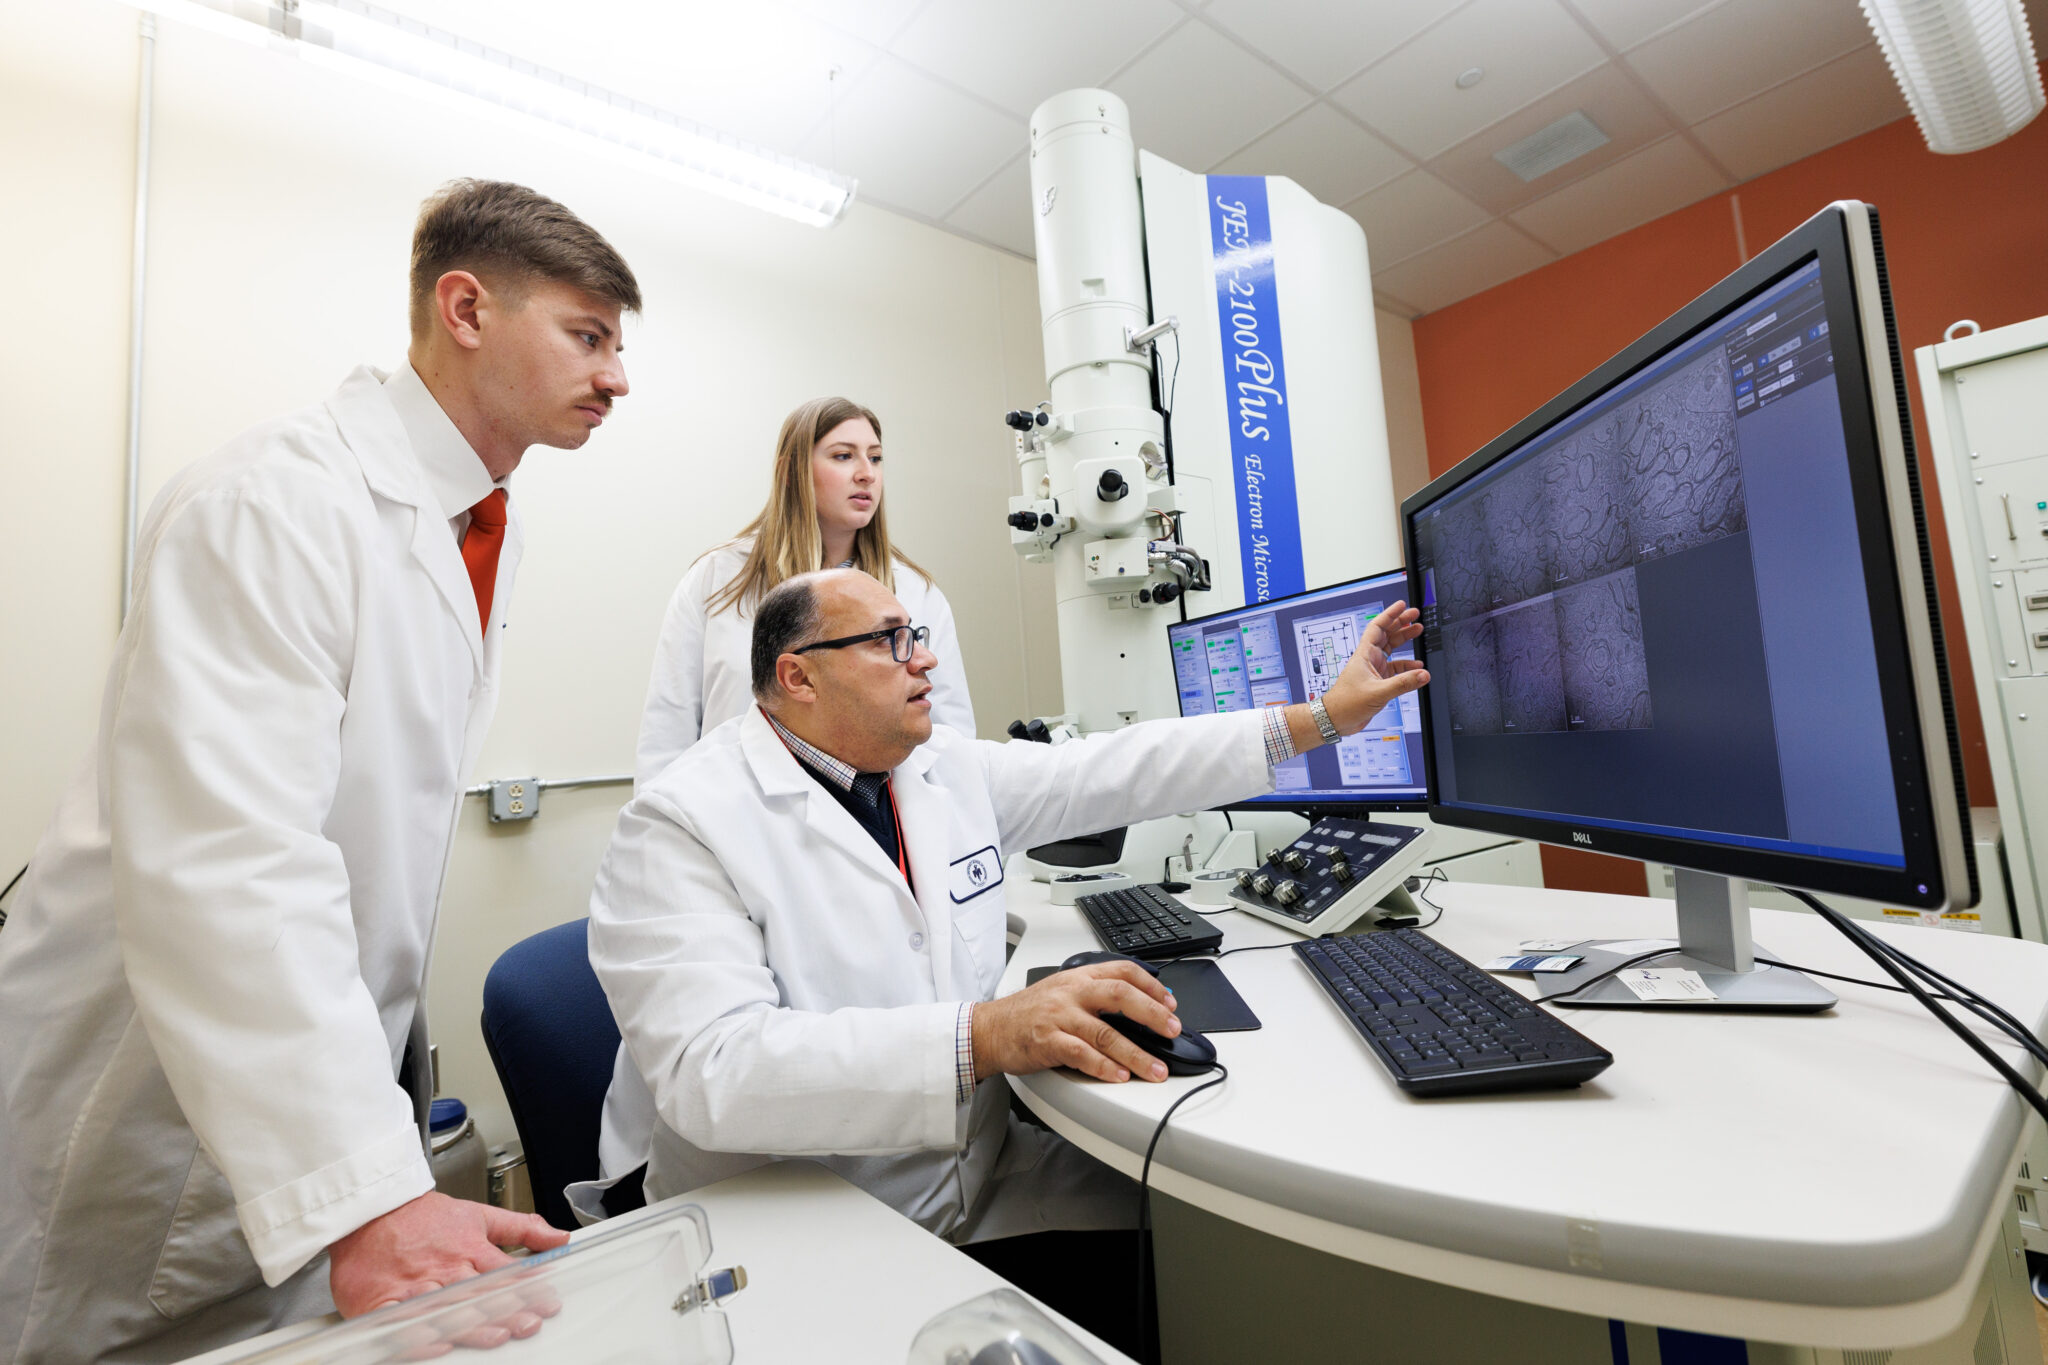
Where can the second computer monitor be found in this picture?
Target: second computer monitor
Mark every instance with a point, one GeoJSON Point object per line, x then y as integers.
{"type": "Point", "coordinates": [1288, 650]}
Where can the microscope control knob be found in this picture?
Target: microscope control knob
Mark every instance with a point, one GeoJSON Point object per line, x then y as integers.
{"type": "Point", "coordinates": [1111, 486]}
{"type": "Point", "coordinates": [1020, 420]}
{"type": "Point", "coordinates": [1295, 860]}
{"type": "Point", "coordinates": [1341, 870]}
{"type": "Point", "coordinates": [1244, 879]}
{"type": "Point", "coordinates": [1262, 885]}
{"type": "Point", "coordinates": [1024, 521]}
{"type": "Point", "coordinates": [1273, 858]}
{"type": "Point", "coordinates": [1287, 893]}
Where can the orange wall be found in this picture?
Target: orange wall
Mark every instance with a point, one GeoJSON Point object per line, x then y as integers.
{"type": "Point", "coordinates": [1964, 236]}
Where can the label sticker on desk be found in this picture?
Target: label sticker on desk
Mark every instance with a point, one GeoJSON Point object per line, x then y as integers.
{"type": "Point", "coordinates": [1549, 945]}
{"type": "Point", "coordinates": [1967, 921]}
{"type": "Point", "coordinates": [1534, 962]}
{"type": "Point", "coordinates": [1677, 984]}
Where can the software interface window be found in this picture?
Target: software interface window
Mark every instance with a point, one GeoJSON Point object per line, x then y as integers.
{"type": "Point", "coordinates": [1277, 653]}
{"type": "Point", "coordinates": [1670, 579]}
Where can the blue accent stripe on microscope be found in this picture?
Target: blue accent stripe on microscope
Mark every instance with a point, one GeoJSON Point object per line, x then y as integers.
{"type": "Point", "coordinates": [1255, 387]}
{"type": "Point", "coordinates": [1617, 1341]}
{"type": "Point", "coordinates": [1697, 1348]}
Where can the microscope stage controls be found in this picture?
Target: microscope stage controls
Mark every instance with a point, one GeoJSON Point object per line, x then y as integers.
{"type": "Point", "coordinates": [1331, 875]}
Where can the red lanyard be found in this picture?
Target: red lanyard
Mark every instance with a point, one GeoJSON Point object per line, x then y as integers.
{"type": "Point", "coordinates": [902, 863]}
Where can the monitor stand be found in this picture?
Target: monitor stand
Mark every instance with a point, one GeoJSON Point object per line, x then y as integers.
{"type": "Point", "coordinates": [1713, 940]}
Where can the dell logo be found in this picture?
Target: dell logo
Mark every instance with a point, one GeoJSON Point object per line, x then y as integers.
{"type": "Point", "coordinates": [1579, 838]}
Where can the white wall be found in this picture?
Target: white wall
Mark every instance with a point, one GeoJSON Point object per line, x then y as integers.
{"type": "Point", "coordinates": [281, 214]}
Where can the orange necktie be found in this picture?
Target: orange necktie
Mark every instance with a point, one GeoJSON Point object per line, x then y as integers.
{"type": "Point", "coordinates": [480, 546]}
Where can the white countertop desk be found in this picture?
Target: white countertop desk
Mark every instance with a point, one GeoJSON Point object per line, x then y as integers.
{"type": "Point", "coordinates": [833, 1274]}
{"type": "Point", "coordinates": [1832, 1179]}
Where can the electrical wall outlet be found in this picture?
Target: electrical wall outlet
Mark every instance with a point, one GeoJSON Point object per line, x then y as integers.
{"type": "Point", "coordinates": [515, 798]}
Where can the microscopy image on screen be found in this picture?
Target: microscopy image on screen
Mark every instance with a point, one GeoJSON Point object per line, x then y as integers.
{"type": "Point", "coordinates": [1606, 672]}
{"type": "Point", "coordinates": [1684, 481]}
{"type": "Point", "coordinates": [1587, 505]}
{"type": "Point", "coordinates": [1530, 666]}
{"type": "Point", "coordinates": [1518, 536]}
{"type": "Point", "coordinates": [1472, 677]}
{"type": "Point", "coordinates": [1463, 563]}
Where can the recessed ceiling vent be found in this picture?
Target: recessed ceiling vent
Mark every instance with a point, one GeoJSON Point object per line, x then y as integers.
{"type": "Point", "coordinates": [1546, 149]}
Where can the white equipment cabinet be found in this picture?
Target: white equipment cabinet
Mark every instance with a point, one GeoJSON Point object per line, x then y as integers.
{"type": "Point", "coordinates": [1985, 397]}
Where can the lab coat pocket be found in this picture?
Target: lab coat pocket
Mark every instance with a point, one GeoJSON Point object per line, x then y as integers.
{"type": "Point", "coordinates": [982, 928]}
{"type": "Point", "coordinates": [205, 1258]}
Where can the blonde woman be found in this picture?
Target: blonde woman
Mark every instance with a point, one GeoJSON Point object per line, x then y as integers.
{"type": "Point", "coordinates": [824, 509]}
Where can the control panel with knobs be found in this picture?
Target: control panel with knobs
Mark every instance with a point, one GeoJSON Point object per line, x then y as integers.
{"type": "Point", "coordinates": [1339, 870]}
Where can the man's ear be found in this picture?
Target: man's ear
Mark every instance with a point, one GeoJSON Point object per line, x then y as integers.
{"type": "Point", "coordinates": [793, 676]}
{"type": "Point", "coordinates": [459, 301]}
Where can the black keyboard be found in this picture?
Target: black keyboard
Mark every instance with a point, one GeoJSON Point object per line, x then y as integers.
{"type": "Point", "coordinates": [1147, 922]}
{"type": "Point", "coordinates": [1442, 1026]}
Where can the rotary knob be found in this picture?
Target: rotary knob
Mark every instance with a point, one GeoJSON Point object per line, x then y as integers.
{"type": "Point", "coordinates": [1295, 860]}
{"type": "Point", "coordinates": [1274, 858]}
{"type": "Point", "coordinates": [1262, 885]}
{"type": "Point", "coordinates": [1341, 870]}
{"type": "Point", "coordinates": [1287, 893]}
{"type": "Point", "coordinates": [1244, 879]}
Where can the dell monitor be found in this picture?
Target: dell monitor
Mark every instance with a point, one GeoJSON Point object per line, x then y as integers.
{"type": "Point", "coordinates": [1286, 650]}
{"type": "Point", "coordinates": [1685, 612]}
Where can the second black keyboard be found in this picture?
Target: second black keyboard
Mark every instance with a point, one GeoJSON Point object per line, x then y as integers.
{"type": "Point", "coordinates": [1147, 922]}
{"type": "Point", "coordinates": [1439, 1024]}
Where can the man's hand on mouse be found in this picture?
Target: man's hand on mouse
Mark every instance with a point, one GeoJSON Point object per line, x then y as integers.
{"type": "Point", "coordinates": [1058, 1022]}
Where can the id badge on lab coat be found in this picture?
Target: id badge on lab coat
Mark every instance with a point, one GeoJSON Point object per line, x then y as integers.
{"type": "Point", "coordinates": [979, 872]}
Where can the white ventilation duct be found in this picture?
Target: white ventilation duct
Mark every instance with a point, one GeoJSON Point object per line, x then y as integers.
{"type": "Point", "coordinates": [1966, 67]}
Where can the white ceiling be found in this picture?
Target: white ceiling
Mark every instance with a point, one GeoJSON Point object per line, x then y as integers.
{"type": "Point", "coordinates": [926, 101]}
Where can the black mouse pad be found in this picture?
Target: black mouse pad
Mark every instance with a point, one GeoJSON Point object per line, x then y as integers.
{"type": "Point", "coordinates": [1207, 1002]}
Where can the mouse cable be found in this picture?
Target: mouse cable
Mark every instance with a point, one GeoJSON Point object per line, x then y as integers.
{"type": "Point", "coordinates": [1895, 962]}
{"type": "Point", "coordinates": [1147, 1354]}
{"type": "Point", "coordinates": [12, 883]}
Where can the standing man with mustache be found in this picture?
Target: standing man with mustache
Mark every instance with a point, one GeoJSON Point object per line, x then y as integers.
{"type": "Point", "coordinates": [214, 1079]}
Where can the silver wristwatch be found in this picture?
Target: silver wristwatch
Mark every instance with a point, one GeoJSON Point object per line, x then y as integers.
{"type": "Point", "coordinates": [1323, 721]}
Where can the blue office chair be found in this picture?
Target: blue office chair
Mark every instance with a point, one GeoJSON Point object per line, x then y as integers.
{"type": "Point", "coordinates": [552, 1038]}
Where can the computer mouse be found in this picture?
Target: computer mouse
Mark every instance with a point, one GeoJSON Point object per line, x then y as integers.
{"type": "Point", "coordinates": [1188, 1053]}
{"type": "Point", "coordinates": [1013, 1350]}
{"type": "Point", "coordinates": [1090, 958]}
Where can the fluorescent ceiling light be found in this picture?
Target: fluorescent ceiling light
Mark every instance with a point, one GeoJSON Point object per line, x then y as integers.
{"type": "Point", "coordinates": [374, 43]}
{"type": "Point", "coordinates": [1966, 67]}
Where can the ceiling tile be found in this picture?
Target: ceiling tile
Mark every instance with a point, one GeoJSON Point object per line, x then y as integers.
{"type": "Point", "coordinates": [913, 143]}
{"type": "Point", "coordinates": [1606, 95]}
{"type": "Point", "coordinates": [1323, 152]}
{"type": "Point", "coordinates": [874, 21]}
{"type": "Point", "coordinates": [1743, 48]}
{"type": "Point", "coordinates": [1198, 96]}
{"type": "Point", "coordinates": [1849, 95]}
{"type": "Point", "coordinates": [1387, 303]}
{"type": "Point", "coordinates": [1478, 260]}
{"type": "Point", "coordinates": [1526, 47]}
{"type": "Point", "coordinates": [1410, 215]}
{"type": "Point", "coordinates": [970, 43]}
{"type": "Point", "coordinates": [1665, 176]}
{"type": "Point", "coordinates": [1324, 43]}
{"type": "Point", "coordinates": [1000, 211]}
{"type": "Point", "coordinates": [1624, 23]}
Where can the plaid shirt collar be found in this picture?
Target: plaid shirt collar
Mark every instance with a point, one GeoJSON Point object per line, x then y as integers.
{"type": "Point", "coordinates": [867, 786]}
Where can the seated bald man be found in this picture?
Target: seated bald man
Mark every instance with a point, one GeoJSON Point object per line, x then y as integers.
{"type": "Point", "coordinates": [800, 922]}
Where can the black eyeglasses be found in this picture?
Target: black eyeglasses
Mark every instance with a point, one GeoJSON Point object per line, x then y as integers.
{"type": "Point", "coordinates": [902, 641]}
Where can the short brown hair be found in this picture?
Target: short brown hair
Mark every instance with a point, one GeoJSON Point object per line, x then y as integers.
{"type": "Point", "coordinates": [494, 228]}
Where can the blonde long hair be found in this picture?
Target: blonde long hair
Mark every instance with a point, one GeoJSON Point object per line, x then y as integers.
{"type": "Point", "coordinates": [787, 541]}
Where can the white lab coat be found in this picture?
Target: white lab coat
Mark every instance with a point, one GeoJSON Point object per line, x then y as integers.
{"type": "Point", "coordinates": [703, 672]}
{"type": "Point", "coordinates": [218, 959]}
{"type": "Point", "coordinates": [782, 992]}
